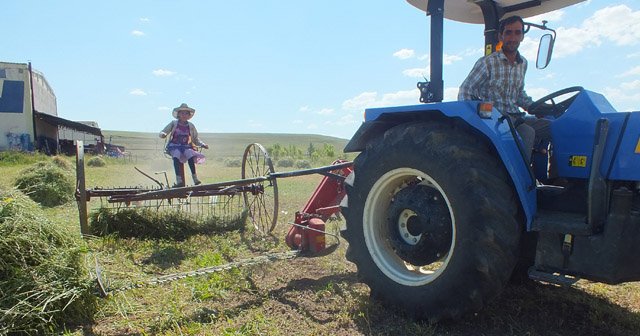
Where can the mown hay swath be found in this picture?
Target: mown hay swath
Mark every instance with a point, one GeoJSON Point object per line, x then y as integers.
{"type": "Point", "coordinates": [43, 279]}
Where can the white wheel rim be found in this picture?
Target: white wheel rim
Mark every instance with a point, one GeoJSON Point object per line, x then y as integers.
{"type": "Point", "coordinates": [375, 229]}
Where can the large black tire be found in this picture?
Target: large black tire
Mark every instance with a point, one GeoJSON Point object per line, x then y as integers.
{"type": "Point", "coordinates": [431, 220]}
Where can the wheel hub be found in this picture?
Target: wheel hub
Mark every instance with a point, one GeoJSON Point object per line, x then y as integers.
{"type": "Point", "coordinates": [420, 225]}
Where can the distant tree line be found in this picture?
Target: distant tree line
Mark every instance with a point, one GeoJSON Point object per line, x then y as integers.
{"type": "Point", "coordinates": [292, 155]}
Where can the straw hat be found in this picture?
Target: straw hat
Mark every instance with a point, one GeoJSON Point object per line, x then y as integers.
{"type": "Point", "coordinates": [183, 107]}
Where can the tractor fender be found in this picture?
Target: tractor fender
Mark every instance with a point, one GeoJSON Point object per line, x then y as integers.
{"type": "Point", "coordinates": [495, 130]}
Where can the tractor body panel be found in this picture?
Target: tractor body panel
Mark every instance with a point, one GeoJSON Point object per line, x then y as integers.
{"type": "Point", "coordinates": [574, 138]}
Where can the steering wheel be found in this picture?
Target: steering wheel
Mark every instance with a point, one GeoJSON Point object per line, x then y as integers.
{"type": "Point", "coordinates": [539, 107]}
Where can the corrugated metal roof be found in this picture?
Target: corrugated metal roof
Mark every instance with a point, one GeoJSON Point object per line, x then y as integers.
{"type": "Point", "coordinates": [74, 125]}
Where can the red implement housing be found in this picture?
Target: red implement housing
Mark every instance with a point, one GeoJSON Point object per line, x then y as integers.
{"type": "Point", "coordinates": [307, 233]}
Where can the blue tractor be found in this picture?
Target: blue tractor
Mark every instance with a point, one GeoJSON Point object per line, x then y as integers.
{"type": "Point", "coordinates": [443, 207]}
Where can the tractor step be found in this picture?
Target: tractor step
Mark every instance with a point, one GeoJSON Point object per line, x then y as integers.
{"type": "Point", "coordinates": [554, 278]}
{"type": "Point", "coordinates": [550, 189]}
{"type": "Point", "coordinates": [561, 222]}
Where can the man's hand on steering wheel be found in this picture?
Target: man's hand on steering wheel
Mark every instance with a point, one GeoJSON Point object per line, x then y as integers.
{"type": "Point", "coordinates": [542, 110]}
{"type": "Point", "coordinates": [540, 107]}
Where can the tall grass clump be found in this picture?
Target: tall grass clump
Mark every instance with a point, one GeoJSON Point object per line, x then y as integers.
{"type": "Point", "coordinates": [168, 224]}
{"type": "Point", "coordinates": [62, 163]}
{"type": "Point", "coordinates": [96, 161]}
{"type": "Point", "coordinates": [47, 183]}
{"type": "Point", "coordinates": [43, 280]}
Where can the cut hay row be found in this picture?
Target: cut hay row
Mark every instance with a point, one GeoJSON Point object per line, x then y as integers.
{"type": "Point", "coordinates": [43, 281]}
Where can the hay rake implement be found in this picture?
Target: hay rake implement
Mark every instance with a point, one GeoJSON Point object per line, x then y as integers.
{"type": "Point", "coordinates": [255, 194]}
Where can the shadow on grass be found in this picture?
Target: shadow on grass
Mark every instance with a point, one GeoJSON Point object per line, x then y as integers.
{"type": "Point", "coordinates": [258, 243]}
{"type": "Point", "coordinates": [165, 257]}
{"type": "Point", "coordinates": [527, 309]}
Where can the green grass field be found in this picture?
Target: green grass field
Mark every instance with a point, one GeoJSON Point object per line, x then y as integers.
{"type": "Point", "coordinates": [304, 296]}
{"type": "Point", "coordinates": [224, 145]}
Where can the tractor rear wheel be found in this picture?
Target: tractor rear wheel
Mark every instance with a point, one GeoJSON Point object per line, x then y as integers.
{"type": "Point", "coordinates": [431, 220]}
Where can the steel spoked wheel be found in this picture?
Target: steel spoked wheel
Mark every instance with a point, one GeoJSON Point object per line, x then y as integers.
{"type": "Point", "coordinates": [408, 227]}
{"type": "Point", "coordinates": [262, 200]}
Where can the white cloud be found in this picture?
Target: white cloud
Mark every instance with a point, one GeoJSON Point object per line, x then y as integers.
{"type": "Point", "coordinates": [297, 122]}
{"type": "Point", "coordinates": [144, 19]}
{"type": "Point", "coordinates": [372, 99]}
{"type": "Point", "coordinates": [326, 111]}
{"type": "Point", "coordinates": [633, 55]}
{"type": "Point", "coordinates": [554, 16]}
{"type": "Point", "coordinates": [408, 97]}
{"type": "Point", "coordinates": [548, 76]}
{"type": "Point", "coordinates": [537, 92]}
{"type": "Point", "coordinates": [417, 72]}
{"type": "Point", "coordinates": [631, 86]}
{"type": "Point", "coordinates": [137, 33]}
{"type": "Point", "coordinates": [360, 101]}
{"type": "Point", "coordinates": [303, 109]}
{"type": "Point", "coordinates": [404, 53]}
{"type": "Point", "coordinates": [137, 92]}
{"type": "Point", "coordinates": [625, 97]}
{"type": "Point", "coordinates": [631, 72]}
{"type": "Point", "coordinates": [618, 24]}
{"type": "Point", "coordinates": [449, 59]}
{"type": "Point", "coordinates": [255, 124]}
{"type": "Point", "coordinates": [164, 108]}
{"type": "Point", "coordinates": [312, 126]}
{"type": "Point", "coordinates": [345, 120]}
{"type": "Point", "coordinates": [573, 40]}
{"type": "Point", "coordinates": [450, 94]}
{"type": "Point", "coordinates": [163, 73]}
{"type": "Point", "coordinates": [529, 49]}
{"type": "Point", "coordinates": [478, 52]}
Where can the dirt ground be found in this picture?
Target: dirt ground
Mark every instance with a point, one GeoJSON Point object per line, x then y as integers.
{"type": "Point", "coordinates": [322, 296]}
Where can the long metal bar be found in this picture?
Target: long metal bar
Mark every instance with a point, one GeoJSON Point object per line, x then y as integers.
{"type": "Point", "coordinates": [173, 193]}
{"type": "Point", "coordinates": [318, 170]}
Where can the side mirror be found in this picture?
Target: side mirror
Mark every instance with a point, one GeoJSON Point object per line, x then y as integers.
{"type": "Point", "coordinates": [545, 49]}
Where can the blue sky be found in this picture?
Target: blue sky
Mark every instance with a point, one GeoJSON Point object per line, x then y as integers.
{"type": "Point", "coordinates": [287, 66]}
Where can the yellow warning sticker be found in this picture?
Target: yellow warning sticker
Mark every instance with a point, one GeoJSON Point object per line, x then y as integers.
{"type": "Point", "coordinates": [638, 147]}
{"type": "Point", "coordinates": [488, 49]}
{"type": "Point", "coordinates": [578, 161]}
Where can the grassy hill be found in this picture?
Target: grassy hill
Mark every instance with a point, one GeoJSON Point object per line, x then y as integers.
{"type": "Point", "coordinates": [222, 145]}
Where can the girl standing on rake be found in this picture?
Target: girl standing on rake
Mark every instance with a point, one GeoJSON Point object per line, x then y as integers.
{"type": "Point", "coordinates": [183, 139]}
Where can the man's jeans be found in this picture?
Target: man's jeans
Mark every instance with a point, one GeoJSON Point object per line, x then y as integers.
{"type": "Point", "coordinates": [533, 130]}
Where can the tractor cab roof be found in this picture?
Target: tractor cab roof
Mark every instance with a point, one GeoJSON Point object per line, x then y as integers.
{"type": "Point", "coordinates": [469, 11]}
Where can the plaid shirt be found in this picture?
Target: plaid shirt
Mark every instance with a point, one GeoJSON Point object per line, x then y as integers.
{"type": "Point", "coordinates": [494, 79]}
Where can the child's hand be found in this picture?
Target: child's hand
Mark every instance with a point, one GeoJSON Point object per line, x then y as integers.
{"type": "Point", "coordinates": [205, 146]}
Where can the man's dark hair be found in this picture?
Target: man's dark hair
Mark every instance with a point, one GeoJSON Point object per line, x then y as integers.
{"type": "Point", "coordinates": [510, 20]}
